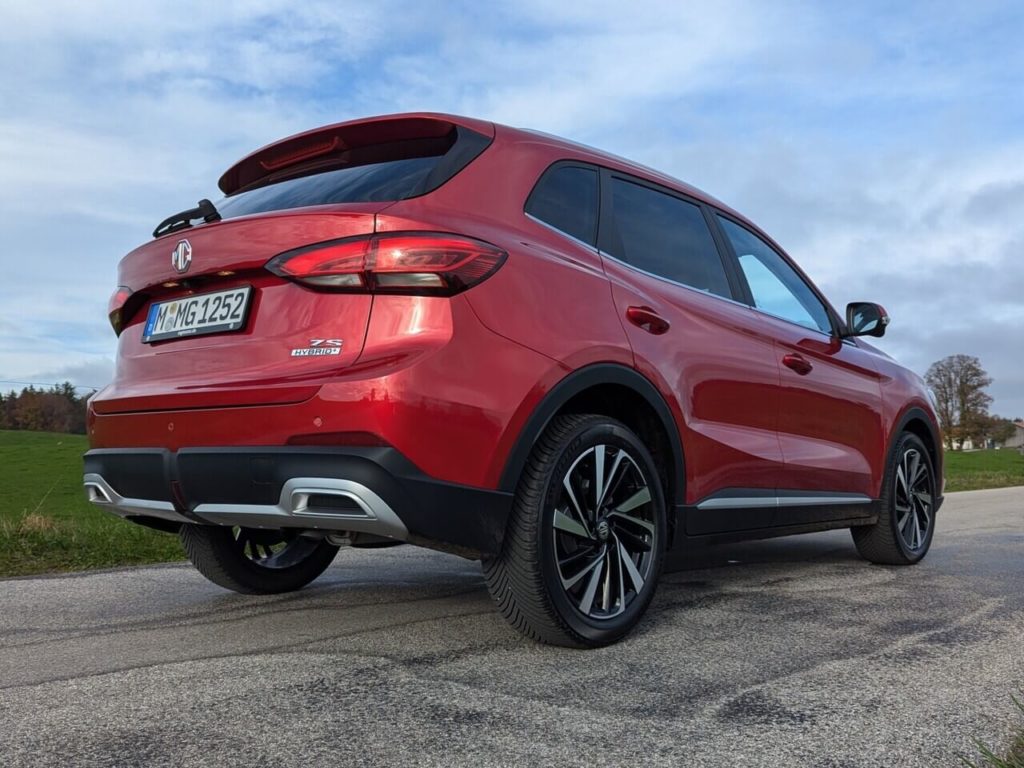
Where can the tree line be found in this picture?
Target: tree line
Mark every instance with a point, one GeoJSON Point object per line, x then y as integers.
{"type": "Point", "coordinates": [959, 383]}
{"type": "Point", "coordinates": [57, 409]}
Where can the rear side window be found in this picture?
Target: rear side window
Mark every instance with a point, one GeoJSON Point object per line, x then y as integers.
{"type": "Point", "coordinates": [566, 199]}
{"type": "Point", "coordinates": [374, 173]}
{"type": "Point", "coordinates": [666, 236]}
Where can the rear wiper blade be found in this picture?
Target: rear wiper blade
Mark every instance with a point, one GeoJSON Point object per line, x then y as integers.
{"type": "Point", "coordinates": [205, 211]}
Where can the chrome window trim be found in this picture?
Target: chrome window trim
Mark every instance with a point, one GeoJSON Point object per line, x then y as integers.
{"type": "Point", "coordinates": [787, 321]}
{"type": "Point", "coordinates": [563, 233]}
{"type": "Point", "coordinates": [670, 281]}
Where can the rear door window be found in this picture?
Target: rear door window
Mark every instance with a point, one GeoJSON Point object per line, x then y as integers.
{"type": "Point", "coordinates": [566, 198]}
{"type": "Point", "coordinates": [666, 236]}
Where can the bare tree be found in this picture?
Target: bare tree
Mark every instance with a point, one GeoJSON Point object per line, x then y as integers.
{"type": "Point", "coordinates": [959, 384]}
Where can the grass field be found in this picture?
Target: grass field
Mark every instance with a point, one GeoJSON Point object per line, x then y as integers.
{"type": "Point", "coordinates": [983, 469]}
{"type": "Point", "coordinates": [47, 525]}
{"type": "Point", "coordinates": [45, 522]}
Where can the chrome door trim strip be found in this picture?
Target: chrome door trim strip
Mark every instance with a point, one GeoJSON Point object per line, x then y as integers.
{"type": "Point", "coordinates": [757, 502]}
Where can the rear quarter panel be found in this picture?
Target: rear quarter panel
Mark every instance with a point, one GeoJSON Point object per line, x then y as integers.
{"type": "Point", "coordinates": [551, 295]}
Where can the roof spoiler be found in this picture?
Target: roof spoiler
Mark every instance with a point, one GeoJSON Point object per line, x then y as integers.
{"type": "Point", "coordinates": [321, 144]}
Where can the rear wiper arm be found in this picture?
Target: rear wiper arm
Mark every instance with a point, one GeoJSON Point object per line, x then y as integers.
{"type": "Point", "coordinates": [205, 211]}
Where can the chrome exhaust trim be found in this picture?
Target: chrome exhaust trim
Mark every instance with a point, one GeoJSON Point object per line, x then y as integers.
{"type": "Point", "coordinates": [104, 496]}
{"type": "Point", "coordinates": [312, 503]}
{"type": "Point", "coordinates": [300, 506]}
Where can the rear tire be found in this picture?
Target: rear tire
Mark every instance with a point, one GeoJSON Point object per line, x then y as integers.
{"type": "Point", "coordinates": [586, 537]}
{"type": "Point", "coordinates": [256, 561]}
{"type": "Point", "coordinates": [906, 521]}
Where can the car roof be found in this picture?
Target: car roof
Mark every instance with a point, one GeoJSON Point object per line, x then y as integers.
{"type": "Point", "coordinates": [576, 151]}
{"type": "Point", "coordinates": [255, 164]}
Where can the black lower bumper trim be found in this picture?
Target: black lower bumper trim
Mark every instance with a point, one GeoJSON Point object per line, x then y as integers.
{"type": "Point", "coordinates": [443, 515]}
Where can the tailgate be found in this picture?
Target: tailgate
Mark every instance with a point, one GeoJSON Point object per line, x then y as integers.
{"type": "Point", "coordinates": [267, 356]}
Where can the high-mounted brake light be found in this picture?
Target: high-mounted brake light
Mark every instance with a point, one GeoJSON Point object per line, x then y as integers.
{"type": "Point", "coordinates": [115, 307]}
{"type": "Point", "coordinates": [421, 263]}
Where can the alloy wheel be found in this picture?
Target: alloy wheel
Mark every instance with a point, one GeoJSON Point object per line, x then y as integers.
{"type": "Point", "coordinates": [605, 532]}
{"type": "Point", "coordinates": [269, 548]}
{"type": "Point", "coordinates": [914, 500]}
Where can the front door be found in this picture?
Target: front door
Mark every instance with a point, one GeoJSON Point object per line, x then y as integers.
{"type": "Point", "coordinates": [829, 417]}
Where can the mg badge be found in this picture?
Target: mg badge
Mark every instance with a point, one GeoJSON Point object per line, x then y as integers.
{"type": "Point", "coordinates": [181, 256]}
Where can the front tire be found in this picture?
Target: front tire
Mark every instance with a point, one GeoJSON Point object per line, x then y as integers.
{"type": "Point", "coordinates": [906, 522]}
{"type": "Point", "coordinates": [256, 561]}
{"type": "Point", "coordinates": [586, 538]}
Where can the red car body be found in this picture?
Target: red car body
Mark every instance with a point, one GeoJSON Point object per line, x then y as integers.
{"type": "Point", "coordinates": [734, 402]}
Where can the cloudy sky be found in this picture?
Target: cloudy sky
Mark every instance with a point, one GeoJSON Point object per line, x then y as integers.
{"type": "Point", "coordinates": [881, 145]}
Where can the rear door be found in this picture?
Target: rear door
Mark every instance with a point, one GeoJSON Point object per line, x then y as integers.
{"type": "Point", "coordinates": [677, 301]}
{"type": "Point", "coordinates": [830, 421]}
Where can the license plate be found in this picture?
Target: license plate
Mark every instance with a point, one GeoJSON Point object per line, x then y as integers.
{"type": "Point", "coordinates": [198, 315]}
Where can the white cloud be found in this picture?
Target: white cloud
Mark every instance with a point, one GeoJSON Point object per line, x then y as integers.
{"type": "Point", "coordinates": [867, 142]}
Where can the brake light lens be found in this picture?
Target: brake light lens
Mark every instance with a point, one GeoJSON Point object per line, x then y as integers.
{"type": "Point", "coordinates": [420, 263]}
{"type": "Point", "coordinates": [115, 307]}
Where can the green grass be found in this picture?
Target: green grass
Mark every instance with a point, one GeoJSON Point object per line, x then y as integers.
{"type": "Point", "coordinates": [974, 470]}
{"type": "Point", "coordinates": [990, 759]}
{"type": "Point", "coordinates": [45, 522]}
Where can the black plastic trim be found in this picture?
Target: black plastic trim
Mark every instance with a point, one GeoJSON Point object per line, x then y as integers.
{"type": "Point", "coordinates": [457, 518]}
{"type": "Point", "coordinates": [682, 544]}
{"type": "Point", "coordinates": [574, 384]}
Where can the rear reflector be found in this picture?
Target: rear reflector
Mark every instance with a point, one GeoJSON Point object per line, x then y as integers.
{"type": "Point", "coordinates": [420, 263]}
{"type": "Point", "coordinates": [115, 307]}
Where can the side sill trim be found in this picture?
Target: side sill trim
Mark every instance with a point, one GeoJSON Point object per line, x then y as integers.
{"type": "Point", "coordinates": [761, 502]}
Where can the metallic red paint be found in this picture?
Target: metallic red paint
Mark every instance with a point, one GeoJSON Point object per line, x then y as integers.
{"type": "Point", "coordinates": [451, 382]}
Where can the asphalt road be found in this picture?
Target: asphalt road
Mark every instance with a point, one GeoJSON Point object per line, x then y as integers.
{"type": "Point", "coordinates": [790, 652]}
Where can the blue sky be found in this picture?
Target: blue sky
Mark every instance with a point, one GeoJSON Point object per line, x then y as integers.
{"type": "Point", "coordinates": [881, 145]}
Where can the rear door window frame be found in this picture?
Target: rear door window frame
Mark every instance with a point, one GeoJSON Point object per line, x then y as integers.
{"type": "Point", "coordinates": [609, 237]}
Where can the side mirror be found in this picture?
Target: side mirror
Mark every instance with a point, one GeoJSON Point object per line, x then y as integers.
{"type": "Point", "coordinates": [866, 319]}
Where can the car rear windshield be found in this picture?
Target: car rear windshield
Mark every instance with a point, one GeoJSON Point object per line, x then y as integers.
{"type": "Point", "coordinates": [369, 174]}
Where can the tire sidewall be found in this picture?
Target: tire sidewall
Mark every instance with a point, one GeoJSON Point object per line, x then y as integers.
{"type": "Point", "coordinates": [599, 632]}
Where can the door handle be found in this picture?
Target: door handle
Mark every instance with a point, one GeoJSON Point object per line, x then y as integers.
{"type": "Point", "coordinates": [798, 363]}
{"type": "Point", "coordinates": [648, 320]}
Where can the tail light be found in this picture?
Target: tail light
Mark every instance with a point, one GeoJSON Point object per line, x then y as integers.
{"type": "Point", "coordinates": [115, 307]}
{"type": "Point", "coordinates": [421, 263]}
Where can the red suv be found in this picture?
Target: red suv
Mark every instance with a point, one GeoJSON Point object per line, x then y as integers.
{"type": "Point", "coordinates": [430, 329]}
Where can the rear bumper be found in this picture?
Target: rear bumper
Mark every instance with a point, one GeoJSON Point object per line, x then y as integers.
{"type": "Point", "coordinates": [370, 490]}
